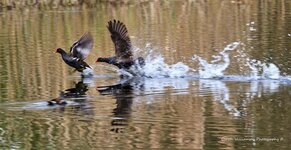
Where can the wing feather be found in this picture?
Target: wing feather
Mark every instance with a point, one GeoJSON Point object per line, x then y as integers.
{"type": "Point", "coordinates": [82, 47]}
{"type": "Point", "coordinates": [121, 40]}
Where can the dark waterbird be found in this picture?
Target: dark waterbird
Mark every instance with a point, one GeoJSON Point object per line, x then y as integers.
{"type": "Point", "coordinates": [123, 58]}
{"type": "Point", "coordinates": [79, 51]}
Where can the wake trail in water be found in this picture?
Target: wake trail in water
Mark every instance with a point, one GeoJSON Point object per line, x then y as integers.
{"type": "Point", "coordinates": [156, 67]}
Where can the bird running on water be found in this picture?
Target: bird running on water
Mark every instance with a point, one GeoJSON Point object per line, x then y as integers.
{"type": "Point", "coordinates": [123, 58]}
{"type": "Point", "coordinates": [79, 51]}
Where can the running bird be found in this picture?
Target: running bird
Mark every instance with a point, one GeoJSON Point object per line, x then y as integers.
{"type": "Point", "coordinates": [123, 58]}
{"type": "Point", "coordinates": [79, 51]}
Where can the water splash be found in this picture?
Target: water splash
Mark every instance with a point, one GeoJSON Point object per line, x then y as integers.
{"type": "Point", "coordinates": [251, 26]}
{"type": "Point", "coordinates": [271, 71]}
{"type": "Point", "coordinates": [156, 67]}
{"type": "Point", "coordinates": [88, 72]}
{"type": "Point", "coordinates": [214, 69]}
{"type": "Point", "coordinates": [261, 70]}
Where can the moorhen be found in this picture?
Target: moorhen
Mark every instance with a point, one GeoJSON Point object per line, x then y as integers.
{"type": "Point", "coordinates": [123, 58]}
{"type": "Point", "coordinates": [78, 53]}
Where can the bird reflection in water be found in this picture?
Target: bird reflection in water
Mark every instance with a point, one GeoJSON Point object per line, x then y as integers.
{"type": "Point", "coordinates": [79, 91]}
{"type": "Point", "coordinates": [123, 92]}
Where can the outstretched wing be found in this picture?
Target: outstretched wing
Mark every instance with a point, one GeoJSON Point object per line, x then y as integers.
{"type": "Point", "coordinates": [82, 47]}
{"type": "Point", "coordinates": [120, 38]}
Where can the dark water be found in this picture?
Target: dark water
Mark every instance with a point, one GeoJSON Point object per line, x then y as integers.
{"type": "Point", "coordinates": [240, 101]}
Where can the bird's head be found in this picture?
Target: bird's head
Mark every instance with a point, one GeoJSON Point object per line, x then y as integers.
{"type": "Point", "coordinates": [59, 50]}
{"type": "Point", "coordinates": [99, 59]}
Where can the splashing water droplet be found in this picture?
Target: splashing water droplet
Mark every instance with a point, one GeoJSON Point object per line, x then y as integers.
{"type": "Point", "coordinates": [155, 66]}
{"type": "Point", "coordinates": [213, 70]}
{"type": "Point", "coordinates": [268, 71]}
{"type": "Point", "coordinates": [88, 72]}
{"type": "Point", "coordinates": [271, 71]}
